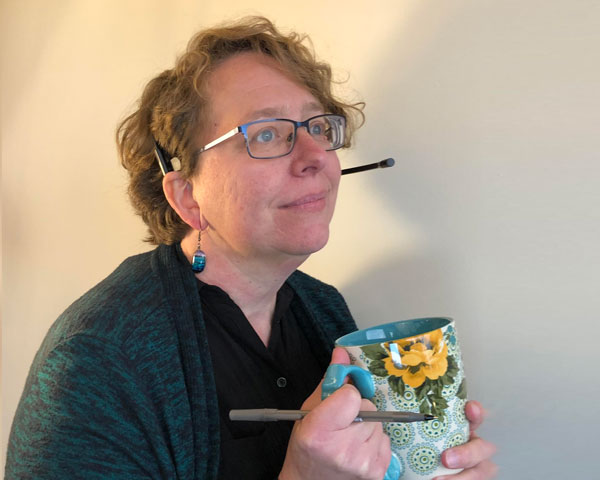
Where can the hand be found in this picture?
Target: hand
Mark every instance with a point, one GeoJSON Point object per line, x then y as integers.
{"type": "Point", "coordinates": [474, 456]}
{"type": "Point", "coordinates": [327, 443]}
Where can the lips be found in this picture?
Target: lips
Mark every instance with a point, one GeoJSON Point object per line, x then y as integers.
{"type": "Point", "coordinates": [307, 201]}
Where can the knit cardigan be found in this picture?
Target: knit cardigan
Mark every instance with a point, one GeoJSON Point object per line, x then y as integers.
{"type": "Point", "coordinates": [122, 387]}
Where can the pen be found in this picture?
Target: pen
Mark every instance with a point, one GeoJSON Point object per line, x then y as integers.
{"type": "Point", "coordinates": [388, 162]}
{"type": "Point", "coordinates": [273, 415]}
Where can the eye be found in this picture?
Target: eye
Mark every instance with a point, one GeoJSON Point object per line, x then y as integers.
{"type": "Point", "coordinates": [318, 128]}
{"type": "Point", "coordinates": [266, 135]}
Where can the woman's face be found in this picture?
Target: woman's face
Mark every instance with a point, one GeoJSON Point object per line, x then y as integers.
{"type": "Point", "coordinates": [268, 209]}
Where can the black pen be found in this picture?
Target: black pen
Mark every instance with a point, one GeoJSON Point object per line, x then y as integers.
{"type": "Point", "coordinates": [388, 162]}
{"type": "Point", "coordinates": [273, 415]}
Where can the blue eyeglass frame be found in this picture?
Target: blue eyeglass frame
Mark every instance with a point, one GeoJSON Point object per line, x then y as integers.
{"type": "Point", "coordinates": [243, 129]}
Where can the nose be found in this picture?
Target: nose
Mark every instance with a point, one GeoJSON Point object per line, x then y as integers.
{"type": "Point", "coordinates": [308, 156]}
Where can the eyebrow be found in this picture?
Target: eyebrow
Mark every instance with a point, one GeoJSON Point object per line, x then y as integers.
{"type": "Point", "coordinates": [275, 112]}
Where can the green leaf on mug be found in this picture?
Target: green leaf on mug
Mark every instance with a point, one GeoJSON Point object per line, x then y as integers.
{"type": "Point", "coordinates": [440, 414]}
{"type": "Point", "coordinates": [434, 408]}
{"type": "Point", "coordinates": [438, 402]}
{"type": "Point", "coordinates": [462, 390]}
{"type": "Point", "coordinates": [397, 385]}
{"type": "Point", "coordinates": [425, 408]}
{"type": "Point", "coordinates": [437, 386]}
{"type": "Point", "coordinates": [377, 367]}
{"type": "Point", "coordinates": [452, 370]}
{"type": "Point", "coordinates": [374, 352]}
{"type": "Point", "coordinates": [422, 391]}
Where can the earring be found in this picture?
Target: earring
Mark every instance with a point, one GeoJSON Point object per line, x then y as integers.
{"type": "Point", "coordinates": [199, 258]}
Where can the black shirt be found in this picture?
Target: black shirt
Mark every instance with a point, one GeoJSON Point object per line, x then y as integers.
{"type": "Point", "coordinates": [250, 375]}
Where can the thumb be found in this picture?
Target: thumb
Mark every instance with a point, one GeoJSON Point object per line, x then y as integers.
{"type": "Point", "coordinates": [339, 355]}
{"type": "Point", "coordinates": [336, 412]}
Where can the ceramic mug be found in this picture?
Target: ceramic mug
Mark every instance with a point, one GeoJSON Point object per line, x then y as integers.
{"type": "Point", "coordinates": [413, 366]}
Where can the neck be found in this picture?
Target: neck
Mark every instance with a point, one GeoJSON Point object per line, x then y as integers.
{"type": "Point", "coordinates": [251, 283]}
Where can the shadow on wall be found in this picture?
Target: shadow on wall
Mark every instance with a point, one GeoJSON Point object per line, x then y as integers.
{"type": "Point", "coordinates": [490, 113]}
{"type": "Point", "coordinates": [402, 288]}
{"type": "Point", "coordinates": [407, 119]}
{"type": "Point", "coordinates": [461, 98]}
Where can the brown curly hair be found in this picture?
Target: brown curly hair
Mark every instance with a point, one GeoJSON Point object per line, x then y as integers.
{"type": "Point", "coordinates": [173, 108]}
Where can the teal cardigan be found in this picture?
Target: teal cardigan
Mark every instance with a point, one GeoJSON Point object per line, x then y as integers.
{"type": "Point", "coordinates": [122, 386]}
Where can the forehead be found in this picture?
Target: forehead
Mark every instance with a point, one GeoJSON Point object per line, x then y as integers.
{"type": "Point", "coordinates": [250, 86]}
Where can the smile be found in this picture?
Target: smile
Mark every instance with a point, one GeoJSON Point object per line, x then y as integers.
{"type": "Point", "coordinates": [309, 202]}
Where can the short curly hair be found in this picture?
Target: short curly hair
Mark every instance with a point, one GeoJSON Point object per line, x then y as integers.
{"type": "Point", "coordinates": [174, 105]}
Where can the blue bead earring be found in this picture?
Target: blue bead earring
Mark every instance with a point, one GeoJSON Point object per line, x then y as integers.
{"type": "Point", "coordinates": [199, 258]}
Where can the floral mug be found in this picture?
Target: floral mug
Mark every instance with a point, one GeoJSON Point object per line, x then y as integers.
{"type": "Point", "coordinates": [413, 366]}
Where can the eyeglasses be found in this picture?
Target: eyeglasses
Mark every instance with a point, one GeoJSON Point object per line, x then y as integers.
{"type": "Point", "coordinates": [275, 137]}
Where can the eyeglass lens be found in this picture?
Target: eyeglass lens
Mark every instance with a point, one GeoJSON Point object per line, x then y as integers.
{"type": "Point", "coordinates": [275, 138]}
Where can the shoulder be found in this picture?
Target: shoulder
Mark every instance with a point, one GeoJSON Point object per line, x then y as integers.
{"type": "Point", "coordinates": [127, 304]}
{"type": "Point", "coordinates": [128, 295]}
{"type": "Point", "coordinates": [106, 376]}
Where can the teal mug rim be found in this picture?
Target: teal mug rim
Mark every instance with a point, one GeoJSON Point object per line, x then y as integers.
{"type": "Point", "coordinates": [391, 331]}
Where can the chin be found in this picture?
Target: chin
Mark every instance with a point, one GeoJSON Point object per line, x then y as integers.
{"type": "Point", "coordinates": [308, 244]}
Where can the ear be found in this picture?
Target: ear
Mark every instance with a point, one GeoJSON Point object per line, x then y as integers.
{"type": "Point", "coordinates": [180, 195]}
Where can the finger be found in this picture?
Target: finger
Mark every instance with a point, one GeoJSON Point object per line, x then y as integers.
{"type": "Point", "coordinates": [475, 414]}
{"type": "Point", "coordinates": [367, 405]}
{"type": "Point", "coordinates": [370, 453]}
{"type": "Point", "coordinates": [385, 453]}
{"type": "Point", "coordinates": [365, 431]}
{"type": "Point", "coordinates": [339, 355]}
{"type": "Point", "coordinates": [336, 412]}
{"type": "Point", "coordinates": [485, 470]}
{"type": "Point", "coordinates": [378, 448]}
{"type": "Point", "coordinates": [468, 455]}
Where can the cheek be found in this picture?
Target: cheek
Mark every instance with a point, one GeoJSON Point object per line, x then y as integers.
{"type": "Point", "coordinates": [334, 173]}
{"type": "Point", "coordinates": [232, 197]}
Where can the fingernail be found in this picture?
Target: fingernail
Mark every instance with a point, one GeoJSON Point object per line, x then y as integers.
{"type": "Point", "coordinates": [452, 460]}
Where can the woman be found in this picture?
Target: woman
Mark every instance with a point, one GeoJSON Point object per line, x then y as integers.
{"type": "Point", "coordinates": [136, 378]}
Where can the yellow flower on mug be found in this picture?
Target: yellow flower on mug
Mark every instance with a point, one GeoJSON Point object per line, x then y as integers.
{"type": "Point", "coordinates": [421, 357]}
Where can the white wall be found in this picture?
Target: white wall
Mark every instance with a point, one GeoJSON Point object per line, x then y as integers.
{"type": "Point", "coordinates": [491, 215]}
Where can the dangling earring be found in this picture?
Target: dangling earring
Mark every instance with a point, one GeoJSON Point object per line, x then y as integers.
{"type": "Point", "coordinates": [199, 258]}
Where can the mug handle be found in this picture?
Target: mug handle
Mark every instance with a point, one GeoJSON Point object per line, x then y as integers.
{"type": "Point", "coordinates": [336, 374]}
{"type": "Point", "coordinates": [334, 378]}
